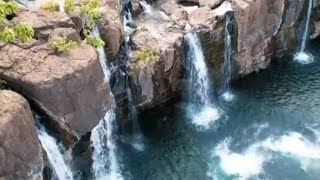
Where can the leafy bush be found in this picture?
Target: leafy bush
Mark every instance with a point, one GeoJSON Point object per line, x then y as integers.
{"type": "Point", "coordinates": [146, 54]}
{"type": "Point", "coordinates": [10, 32]}
{"type": "Point", "coordinates": [62, 45]}
{"type": "Point", "coordinates": [24, 32]}
{"type": "Point", "coordinates": [69, 5]}
{"type": "Point", "coordinates": [50, 6]}
{"type": "Point", "coordinates": [3, 84]}
{"type": "Point", "coordinates": [8, 8]}
{"type": "Point", "coordinates": [91, 9]}
{"type": "Point", "coordinates": [7, 35]}
{"type": "Point", "coordinates": [94, 41]}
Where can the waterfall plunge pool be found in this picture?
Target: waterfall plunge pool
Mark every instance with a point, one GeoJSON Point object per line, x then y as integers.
{"type": "Point", "coordinates": [270, 131]}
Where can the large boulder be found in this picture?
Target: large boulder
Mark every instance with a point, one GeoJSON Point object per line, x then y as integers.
{"type": "Point", "coordinates": [156, 80]}
{"type": "Point", "coordinates": [20, 149]}
{"type": "Point", "coordinates": [69, 87]}
{"type": "Point", "coordinates": [266, 29]}
{"type": "Point", "coordinates": [110, 25]}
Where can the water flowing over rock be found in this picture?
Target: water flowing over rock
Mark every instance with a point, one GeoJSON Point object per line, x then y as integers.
{"type": "Point", "coordinates": [55, 157]}
{"type": "Point", "coordinates": [20, 149]}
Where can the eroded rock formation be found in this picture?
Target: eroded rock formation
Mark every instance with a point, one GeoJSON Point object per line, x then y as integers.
{"type": "Point", "coordinates": [20, 149]}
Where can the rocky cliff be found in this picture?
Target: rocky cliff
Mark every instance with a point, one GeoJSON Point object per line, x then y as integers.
{"type": "Point", "coordinates": [20, 149]}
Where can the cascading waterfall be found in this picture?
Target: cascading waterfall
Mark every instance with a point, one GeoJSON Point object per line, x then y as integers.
{"type": "Point", "coordinates": [227, 95]}
{"type": "Point", "coordinates": [105, 162]}
{"type": "Point", "coordinates": [202, 111]}
{"type": "Point", "coordinates": [136, 140]}
{"type": "Point", "coordinates": [56, 160]}
{"type": "Point", "coordinates": [303, 57]}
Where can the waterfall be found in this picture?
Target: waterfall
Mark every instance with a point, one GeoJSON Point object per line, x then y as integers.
{"type": "Point", "coordinates": [227, 95]}
{"type": "Point", "coordinates": [136, 140]}
{"type": "Point", "coordinates": [302, 57]}
{"type": "Point", "coordinates": [49, 144]}
{"type": "Point", "coordinates": [105, 163]}
{"type": "Point", "coordinates": [153, 13]}
{"type": "Point", "coordinates": [202, 111]}
{"type": "Point", "coordinates": [306, 30]}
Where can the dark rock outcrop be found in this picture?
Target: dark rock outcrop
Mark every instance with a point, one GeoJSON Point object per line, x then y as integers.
{"type": "Point", "coordinates": [20, 149]}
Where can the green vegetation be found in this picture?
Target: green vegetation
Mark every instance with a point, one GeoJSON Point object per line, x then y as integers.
{"type": "Point", "coordinates": [91, 9]}
{"type": "Point", "coordinates": [8, 8]}
{"type": "Point", "coordinates": [94, 41]}
{"type": "Point", "coordinates": [62, 45]}
{"type": "Point", "coordinates": [50, 6]}
{"type": "Point", "coordinates": [69, 5]}
{"type": "Point", "coordinates": [10, 32]}
{"type": "Point", "coordinates": [24, 32]}
{"type": "Point", "coordinates": [146, 54]}
{"type": "Point", "coordinates": [3, 84]}
{"type": "Point", "coordinates": [7, 35]}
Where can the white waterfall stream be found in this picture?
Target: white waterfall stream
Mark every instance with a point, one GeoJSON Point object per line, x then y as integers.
{"type": "Point", "coordinates": [303, 57]}
{"type": "Point", "coordinates": [136, 139]}
{"type": "Point", "coordinates": [56, 160]}
{"type": "Point", "coordinates": [202, 111]}
{"type": "Point", "coordinates": [227, 95]}
{"type": "Point", "coordinates": [105, 163]}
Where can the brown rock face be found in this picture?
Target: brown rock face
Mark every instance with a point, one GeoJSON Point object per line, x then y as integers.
{"type": "Point", "coordinates": [266, 29]}
{"type": "Point", "coordinates": [20, 149]}
{"type": "Point", "coordinates": [157, 80]}
{"type": "Point", "coordinates": [69, 87]}
{"type": "Point", "coordinates": [111, 28]}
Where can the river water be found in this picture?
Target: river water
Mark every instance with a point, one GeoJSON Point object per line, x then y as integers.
{"type": "Point", "coordinates": [271, 130]}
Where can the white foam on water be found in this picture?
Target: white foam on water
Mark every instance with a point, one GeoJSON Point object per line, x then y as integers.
{"type": "Point", "coordinates": [246, 164]}
{"type": "Point", "coordinates": [206, 117]}
{"type": "Point", "coordinates": [303, 58]}
{"type": "Point", "coordinates": [249, 162]}
{"type": "Point", "coordinates": [55, 157]}
{"type": "Point", "coordinates": [228, 96]}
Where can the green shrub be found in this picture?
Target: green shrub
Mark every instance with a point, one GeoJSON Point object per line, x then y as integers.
{"type": "Point", "coordinates": [146, 54]}
{"type": "Point", "coordinates": [50, 6]}
{"type": "Point", "coordinates": [8, 31]}
{"type": "Point", "coordinates": [69, 5]}
{"type": "Point", "coordinates": [3, 84]}
{"type": "Point", "coordinates": [8, 8]}
{"type": "Point", "coordinates": [24, 32]}
{"type": "Point", "coordinates": [91, 9]}
{"type": "Point", "coordinates": [7, 35]}
{"type": "Point", "coordinates": [94, 41]}
{"type": "Point", "coordinates": [62, 45]}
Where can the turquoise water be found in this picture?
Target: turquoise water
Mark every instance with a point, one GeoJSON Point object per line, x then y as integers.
{"type": "Point", "coordinates": [271, 130]}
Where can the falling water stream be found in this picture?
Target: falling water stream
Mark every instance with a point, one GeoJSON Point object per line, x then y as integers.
{"type": "Point", "coordinates": [227, 95]}
{"type": "Point", "coordinates": [303, 57]}
{"type": "Point", "coordinates": [202, 110]}
{"type": "Point", "coordinates": [56, 160]}
{"type": "Point", "coordinates": [136, 137]}
{"type": "Point", "coordinates": [105, 161]}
